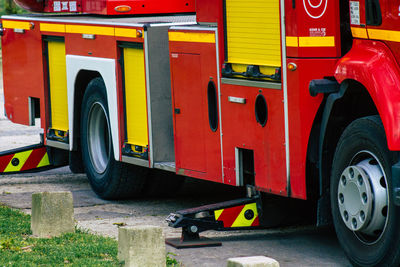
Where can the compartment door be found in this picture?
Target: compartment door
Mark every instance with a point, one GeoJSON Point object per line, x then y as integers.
{"type": "Point", "coordinates": [135, 100]}
{"type": "Point", "coordinates": [57, 79]}
{"type": "Point", "coordinates": [189, 112]}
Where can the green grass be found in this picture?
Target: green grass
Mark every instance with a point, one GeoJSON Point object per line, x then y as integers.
{"type": "Point", "coordinates": [18, 248]}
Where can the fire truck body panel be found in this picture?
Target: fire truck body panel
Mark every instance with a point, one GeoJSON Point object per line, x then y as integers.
{"type": "Point", "coordinates": [109, 7]}
{"type": "Point", "coordinates": [197, 131]}
{"type": "Point", "coordinates": [366, 63]}
{"type": "Point", "coordinates": [313, 30]}
{"type": "Point", "coordinates": [288, 97]}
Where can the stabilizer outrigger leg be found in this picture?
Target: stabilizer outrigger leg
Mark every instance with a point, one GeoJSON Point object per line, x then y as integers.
{"type": "Point", "coordinates": [31, 158]}
{"type": "Point", "coordinates": [238, 214]}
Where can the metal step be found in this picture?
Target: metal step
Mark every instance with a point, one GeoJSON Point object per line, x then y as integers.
{"type": "Point", "coordinates": [167, 166]}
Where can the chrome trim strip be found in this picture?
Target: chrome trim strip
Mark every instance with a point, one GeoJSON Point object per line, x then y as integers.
{"type": "Point", "coordinates": [285, 94]}
{"type": "Point", "coordinates": [242, 82]}
{"type": "Point", "coordinates": [238, 167]}
{"type": "Point", "coordinates": [148, 97]}
{"type": "Point", "coordinates": [111, 23]}
{"type": "Point", "coordinates": [219, 104]}
{"type": "Point", "coordinates": [135, 161]}
{"type": "Point", "coordinates": [57, 144]}
{"type": "Point", "coordinates": [198, 28]}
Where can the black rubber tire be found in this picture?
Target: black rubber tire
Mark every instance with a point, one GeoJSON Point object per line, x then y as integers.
{"type": "Point", "coordinates": [366, 134]}
{"type": "Point", "coordinates": [118, 180]}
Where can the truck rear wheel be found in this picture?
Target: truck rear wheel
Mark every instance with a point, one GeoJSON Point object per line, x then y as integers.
{"type": "Point", "coordinates": [108, 178]}
{"type": "Point", "coordinates": [364, 215]}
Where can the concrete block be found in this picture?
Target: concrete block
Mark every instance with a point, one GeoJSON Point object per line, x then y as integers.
{"type": "Point", "coordinates": [141, 246]}
{"type": "Point", "coordinates": [52, 214]}
{"type": "Point", "coordinates": [255, 261]}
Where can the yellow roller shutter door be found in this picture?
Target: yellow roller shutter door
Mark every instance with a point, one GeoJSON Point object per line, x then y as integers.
{"type": "Point", "coordinates": [253, 33]}
{"type": "Point", "coordinates": [135, 96]}
{"type": "Point", "coordinates": [58, 85]}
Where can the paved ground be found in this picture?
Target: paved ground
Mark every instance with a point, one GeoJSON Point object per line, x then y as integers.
{"type": "Point", "coordinates": [291, 246]}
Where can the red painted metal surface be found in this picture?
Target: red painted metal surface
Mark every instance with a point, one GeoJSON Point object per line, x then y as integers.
{"type": "Point", "coordinates": [197, 147]}
{"type": "Point", "coordinates": [23, 73]}
{"type": "Point", "coordinates": [390, 22]}
{"type": "Point", "coordinates": [310, 19]}
{"type": "Point", "coordinates": [241, 130]}
{"type": "Point", "coordinates": [211, 11]}
{"type": "Point", "coordinates": [102, 46]}
{"type": "Point", "coordinates": [372, 64]}
{"type": "Point", "coordinates": [302, 112]}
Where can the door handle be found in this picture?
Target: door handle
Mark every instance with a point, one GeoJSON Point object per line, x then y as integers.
{"type": "Point", "coordinates": [177, 111]}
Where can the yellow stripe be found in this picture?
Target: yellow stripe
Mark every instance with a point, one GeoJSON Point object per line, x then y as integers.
{"type": "Point", "coordinates": [109, 31]}
{"type": "Point", "coordinates": [241, 221]}
{"type": "Point", "coordinates": [359, 32]}
{"type": "Point", "coordinates": [292, 41]}
{"type": "Point", "coordinates": [392, 36]}
{"type": "Point", "coordinates": [125, 32]}
{"type": "Point", "coordinates": [16, 24]}
{"type": "Point", "coordinates": [44, 161]}
{"type": "Point", "coordinates": [326, 41]}
{"type": "Point", "coordinates": [192, 37]}
{"type": "Point", "coordinates": [47, 27]}
{"type": "Point", "coordinates": [22, 157]}
{"type": "Point", "coordinates": [218, 213]}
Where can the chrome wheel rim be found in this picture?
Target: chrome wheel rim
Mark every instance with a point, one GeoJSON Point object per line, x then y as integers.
{"type": "Point", "coordinates": [363, 197]}
{"type": "Point", "coordinates": [98, 137]}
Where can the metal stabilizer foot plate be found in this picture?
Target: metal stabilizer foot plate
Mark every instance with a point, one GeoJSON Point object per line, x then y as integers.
{"type": "Point", "coordinates": [196, 243]}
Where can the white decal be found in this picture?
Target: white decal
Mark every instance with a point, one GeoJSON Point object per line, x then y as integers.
{"type": "Point", "coordinates": [315, 11]}
{"type": "Point", "coordinates": [56, 6]}
{"type": "Point", "coordinates": [64, 5]}
{"type": "Point", "coordinates": [72, 6]}
{"type": "Point", "coordinates": [317, 32]}
{"type": "Point", "coordinates": [355, 13]}
{"type": "Point", "coordinates": [399, 11]}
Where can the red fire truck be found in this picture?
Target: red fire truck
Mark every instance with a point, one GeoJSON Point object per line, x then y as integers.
{"type": "Point", "coordinates": [296, 98]}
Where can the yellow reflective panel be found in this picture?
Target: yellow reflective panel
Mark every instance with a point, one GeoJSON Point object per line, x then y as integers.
{"type": "Point", "coordinates": [58, 85]}
{"type": "Point", "coordinates": [241, 220]}
{"type": "Point", "coordinates": [135, 96]}
{"type": "Point", "coordinates": [253, 32]}
{"type": "Point", "coordinates": [44, 161]}
{"type": "Point", "coordinates": [50, 27]}
{"type": "Point", "coordinates": [22, 158]}
{"type": "Point", "coordinates": [192, 37]}
{"type": "Point", "coordinates": [10, 24]}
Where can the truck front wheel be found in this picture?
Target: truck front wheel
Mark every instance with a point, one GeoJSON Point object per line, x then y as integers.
{"type": "Point", "coordinates": [364, 215]}
{"type": "Point", "coordinates": [108, 178]}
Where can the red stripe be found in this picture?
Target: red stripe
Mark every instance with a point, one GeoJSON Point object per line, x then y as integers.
{"type": "Point", "coordinates": [34, 159]}
{"type": "Point", "coordinates": [256, 222]}
{"type": "Point", "coordinates": [228, 216]}
{"type": "Point", "coordinates": [4, 161]}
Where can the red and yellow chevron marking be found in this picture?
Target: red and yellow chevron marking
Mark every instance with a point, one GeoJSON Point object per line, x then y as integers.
{"type": "Point", "coordinates": [24, 160]}
{"type": "Point", "coordinates": [238, 216]}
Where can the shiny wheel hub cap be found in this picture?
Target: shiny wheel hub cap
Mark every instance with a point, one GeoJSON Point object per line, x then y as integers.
{"type": "Point", "coordinates": [99, 137]}
{"type": "Point", "coordinates": [363, 197]}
